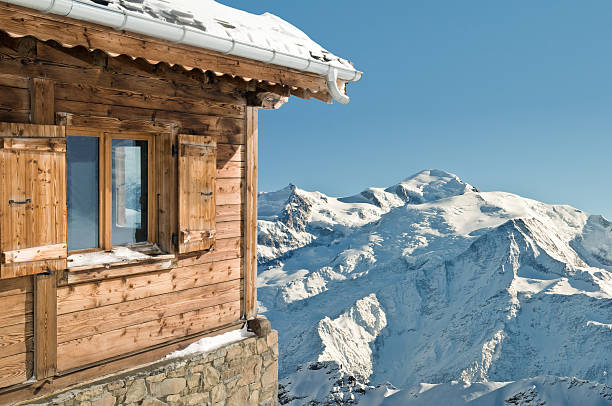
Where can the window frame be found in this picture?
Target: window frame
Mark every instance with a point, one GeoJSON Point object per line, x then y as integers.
{"type": "Point", "coordinates": [105, 192]}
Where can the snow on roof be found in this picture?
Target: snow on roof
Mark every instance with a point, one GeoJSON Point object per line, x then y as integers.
{"type": "Point", "coordinates": [264, 31]}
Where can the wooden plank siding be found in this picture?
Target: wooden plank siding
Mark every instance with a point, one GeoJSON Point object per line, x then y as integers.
{"type": "Point", "coordinates": [86, 296]}
{"type": "Point", "coordinates": [89, 350]}
{"type": "Point", "coordinates": [16, 331]}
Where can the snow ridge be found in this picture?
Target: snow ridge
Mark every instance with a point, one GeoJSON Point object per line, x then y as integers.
{"type": "Point", "coordinates": [432, 280]}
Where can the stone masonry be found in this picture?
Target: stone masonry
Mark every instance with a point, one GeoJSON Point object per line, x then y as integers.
{"type": "Point", "coordinates": [240, 374]}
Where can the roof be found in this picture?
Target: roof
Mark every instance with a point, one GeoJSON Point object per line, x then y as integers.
{"type": "Point", "coordinates": [266, 30]}
{"type": "Point", "coordinates": [210, 25]}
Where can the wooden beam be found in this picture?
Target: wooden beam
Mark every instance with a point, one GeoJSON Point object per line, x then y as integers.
{"type": "Point", "coordinates": [250, 217]}
{"type": "Point", "coordinates": [90, 94]}
{"type": "Point", "coordinates": [45, 326]}
{"type": "Point", "coordinates": [35, 144]}
{"type": "Point", "coordinates": [114, 124]}
{"type": "Point", "coordinates": [29, 130]}
{"type": "Point", "coordinates": [42, 101]}
{"type": "Point", "coordinates": [56, 251]}
{"type": "Point", "coordinates": [22, 21]}
{"type": "Point", "coordinates": [266, 100]}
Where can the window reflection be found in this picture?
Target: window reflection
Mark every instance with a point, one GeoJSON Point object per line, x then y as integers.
{"type": "Point", "coordinates": [130, 192]}
{"type": "Point", "coordinates": [82, 156]}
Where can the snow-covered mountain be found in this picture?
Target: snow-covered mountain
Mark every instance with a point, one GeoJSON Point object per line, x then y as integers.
{"type": "Point", "coordinates": [432, 281]}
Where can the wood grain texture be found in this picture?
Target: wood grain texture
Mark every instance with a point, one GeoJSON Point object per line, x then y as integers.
{"type": "Point", "coordinates": [155, 81]}
{"type": "Point", "coordinates": [111, 272]}
{"type": "Point", "coordinates": [15, 369]}
{"type": "Point", "coordinates": [16, 309]}
{"type": "Point", "coordinates": [16, 331]}
{"type": "Point", "coordinates": [229, 212]}
{"type": "Point", "coordinates": [15, 286]}
{"type": "Point", "coordinates": [227, 248]}
{"type": "Point", "coordinates": [14, 99]}
{"type": "Point", "coordinates": [91, 94]}
{"type": "Point", "coordinates": [102, 319]}
{"type": "Point", "coordinates": [45, 326]}
{"type": "Point", "coordinates": [229, 191]}
{"type": "Point", "coordinates": [31, 268]}
{"type": "Point", "coordinates": [84, 351]}
{"type": "Point", "coordinates": [16, 339]}
{"type": "Point", "coordinates": [56, 251]}
{"type": "Point", "coordinates": [15, 116]}
{"type": "Point", "coordinates": [35, 144]}
{"type": "Point", "coordinates": [197, 167]}
{"type": "Point", "coordinates": [71, 32]}
{"type": "Point", "coordinates": [230, 169]}
{"type": "Point", "coordinates": [31, 130]}
{"type": "Point", "coordinates": [42, 101]}
{"type": "Point", "coordinates": [198, 123]}
{"type": "Point", "coordinates": [250, 217]}
{"type": "Point", "coordinates": [167, 200]}
{"type": "Point", "coordinates": [32, 203]}
{"type": "Point", "coordinates": [16, 81]}
{"type": "Point", "coordinates": [85, 296]}
{"type": "Point", "coordinates": [114, 124]}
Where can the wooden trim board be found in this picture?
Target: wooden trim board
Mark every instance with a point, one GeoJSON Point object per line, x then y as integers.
{"type": "Point", "coordinates": [47, 252]}
{"type": "Point", "coordinates": [250, 217]}
{"type": "Point", "coordinates": [45, 326]}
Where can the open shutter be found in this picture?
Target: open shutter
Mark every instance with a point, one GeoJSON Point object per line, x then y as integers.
{"type": "Point", "coordinates": [32, 199]}
{"type": "Point", "coordinates": [197, 168]}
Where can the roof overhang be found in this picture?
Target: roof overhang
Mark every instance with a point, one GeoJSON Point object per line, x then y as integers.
{"type": "Point", "coordinates": [318, 80]}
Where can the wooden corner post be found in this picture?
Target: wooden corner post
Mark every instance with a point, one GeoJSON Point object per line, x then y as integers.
{"type": "Point", "coordinates": [250, 216]}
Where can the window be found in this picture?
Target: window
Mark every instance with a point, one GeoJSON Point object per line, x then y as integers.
{"type": "Point", "coordinates": [109, 179]}
{"type": "Point", "coordinates": [83, 170]}
{"type": "Point", "coordinates": [130, 191]}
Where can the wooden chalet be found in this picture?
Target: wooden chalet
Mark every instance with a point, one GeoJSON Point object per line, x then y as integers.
{"type": "Point", "coordinates": [128, 178]}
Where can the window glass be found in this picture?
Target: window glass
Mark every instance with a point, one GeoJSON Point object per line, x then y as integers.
{"type": "Point", "coordinates": [83, 199]}
{"type": "Point", "coordinates": [129, 189]}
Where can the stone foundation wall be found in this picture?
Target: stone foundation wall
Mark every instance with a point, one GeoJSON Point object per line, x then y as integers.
{"type": "Point", "coordinates": [240, 374]}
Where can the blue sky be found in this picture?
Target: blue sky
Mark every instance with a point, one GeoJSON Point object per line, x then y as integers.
{"type": "Point", "coordinates": [513, 96]}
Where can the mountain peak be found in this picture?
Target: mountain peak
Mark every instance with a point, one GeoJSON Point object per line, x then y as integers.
{"type": "Point", "coordinates": [432, 175]}
{"type": "Point", "coordinates": [430, 185]}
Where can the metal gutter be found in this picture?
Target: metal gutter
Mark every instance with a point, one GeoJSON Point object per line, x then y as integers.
{"type": "Point", "coordinates": [180, 34]}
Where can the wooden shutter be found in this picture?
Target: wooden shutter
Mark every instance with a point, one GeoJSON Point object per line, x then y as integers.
{"type": "Point", "coordinates": [197, 168]}
{"type": "Point", "coordinates": [32, 199]}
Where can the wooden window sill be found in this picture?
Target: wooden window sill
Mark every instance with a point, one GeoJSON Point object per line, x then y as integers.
{"type": "Point", "coordinates": [117, 257]}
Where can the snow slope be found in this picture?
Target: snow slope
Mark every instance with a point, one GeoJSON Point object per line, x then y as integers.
{"type": "Point", "coordinates": [431, 280]}
{"type": "Point", "coordinates": [539, 391]}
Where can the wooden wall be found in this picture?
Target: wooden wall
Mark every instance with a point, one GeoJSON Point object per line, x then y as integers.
{"type": "Point", "coordinates": [16, 331]}
{"type": "Point", "coordinates": [108, 313]}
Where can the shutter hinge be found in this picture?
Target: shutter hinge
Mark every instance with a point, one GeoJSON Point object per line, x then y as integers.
{"type": "Point", "coordinates": [175, 240]}
{"type": "Point", "coordinates": [174, 150]}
